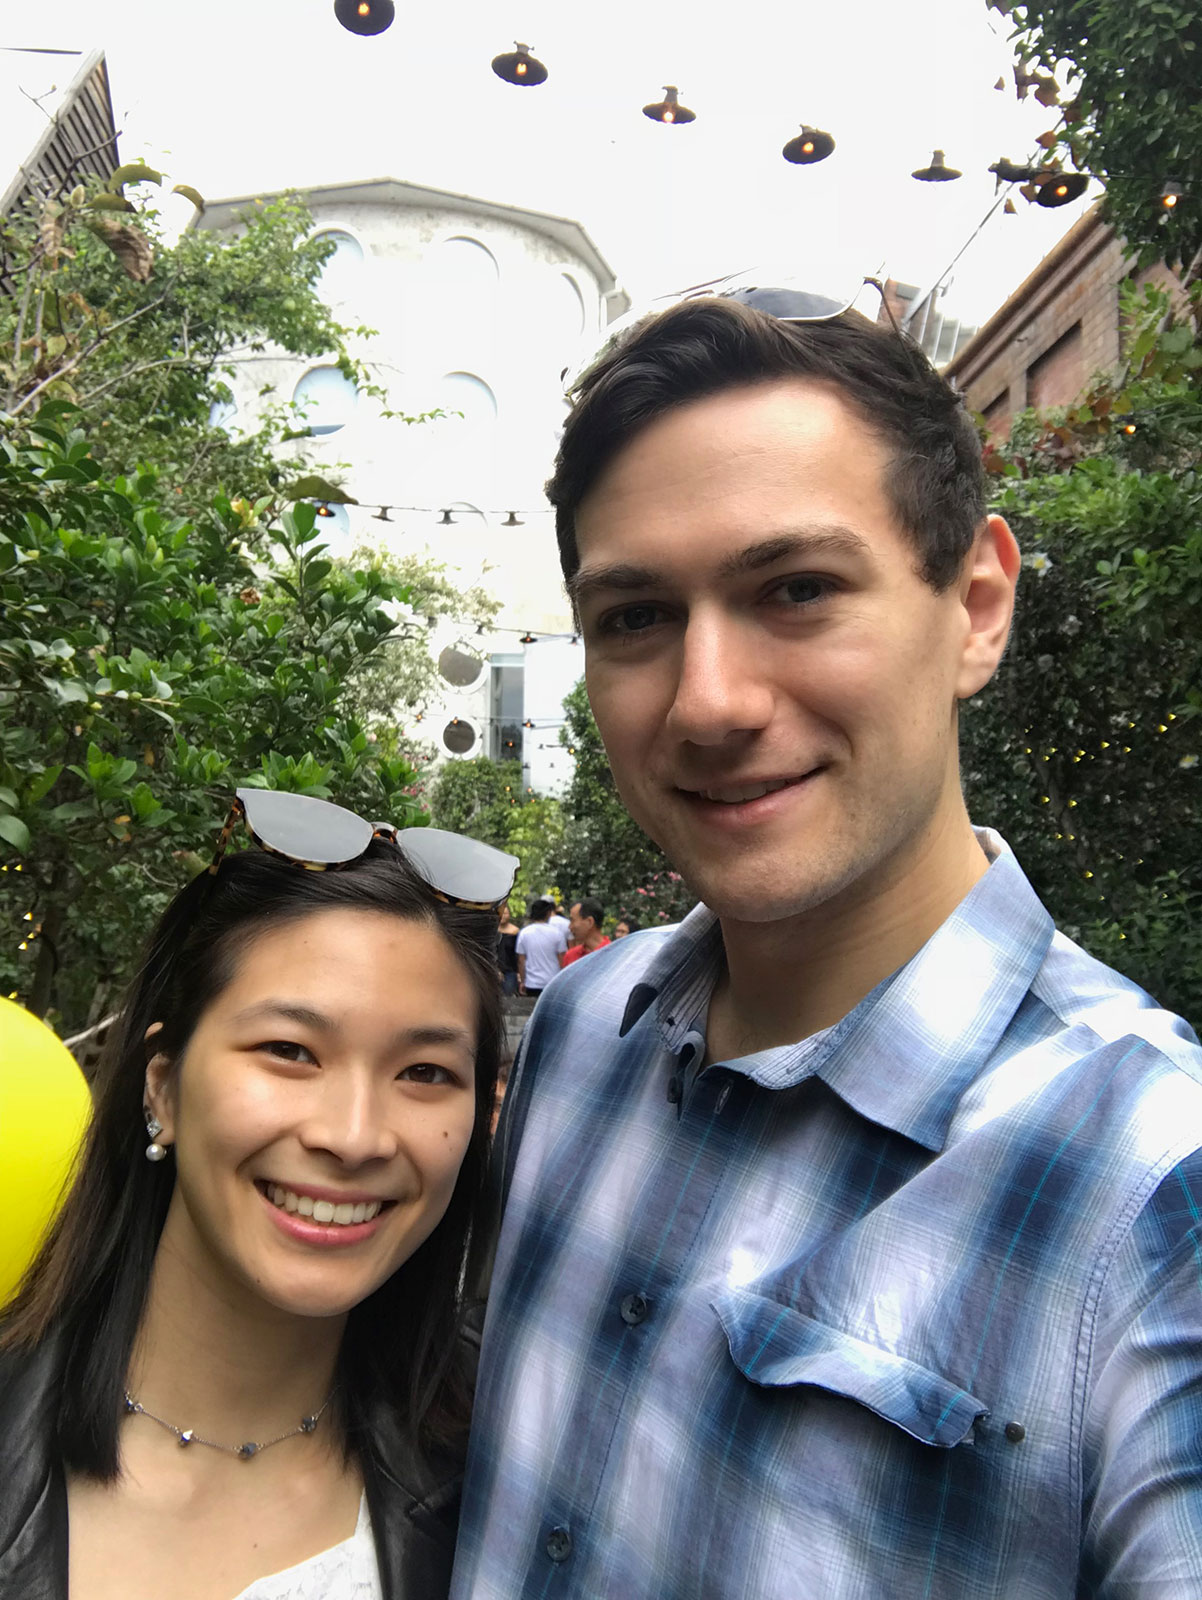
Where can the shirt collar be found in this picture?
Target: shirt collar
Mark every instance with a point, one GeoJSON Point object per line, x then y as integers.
{"type": "Point", "coordinates": [904, 1056]}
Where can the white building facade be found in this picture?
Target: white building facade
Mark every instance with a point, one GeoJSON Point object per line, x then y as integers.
{"type": "Point", "coordinates": [478, 309]}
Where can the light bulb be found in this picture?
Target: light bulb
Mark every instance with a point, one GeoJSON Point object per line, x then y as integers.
{"type": "Point", "coordinates": [520, 69]}
{"type": "Point", "coordinates": [668, 117]}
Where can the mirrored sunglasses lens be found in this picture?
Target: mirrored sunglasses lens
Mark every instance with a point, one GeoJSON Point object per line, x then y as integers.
{"type": "Point", "coordinates": [462, 869]}
{"type": "Point", "coordinates": [303, 828]}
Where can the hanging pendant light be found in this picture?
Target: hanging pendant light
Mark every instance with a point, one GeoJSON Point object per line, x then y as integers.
{"type": "Point", "coordinates": [365, 17]}
{"type": "Point", "coordinates": [446, 520]}
{"type": "Point", "coordinates": [1172, 192]}
{"type": "Point", "coordinates": [1060, 188]}
{"type": "Point", "coordinates": [937, 172]}
{"type": "Point", "coordinates": [810, 145]}
{"type": "Point", "coordinates": [382, 515]}
{"type": "Point", "coordinates": [513, 521]}
{"type": "Point", "coordinates": [669, 109]}
{"type": "Point", "coordinates": [520, 67]}
{"type": "Point", "coordinates": [324, 509]}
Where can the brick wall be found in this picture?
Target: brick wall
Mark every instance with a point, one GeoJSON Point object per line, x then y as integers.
{"type": "Point", "coordinates": [1055, 332]}
{"type": "Point", "coordinates": [1059, 328]}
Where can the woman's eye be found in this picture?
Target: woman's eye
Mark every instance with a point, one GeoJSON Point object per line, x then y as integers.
{"type": "Point", "coordinates": [629, 620]}
{"type": "Point", "coordinates": [286, 1050]}
{"type": "Point", "coordinates": [803, 590]}
{"type": "Point", "coordinates": [426, 1072]}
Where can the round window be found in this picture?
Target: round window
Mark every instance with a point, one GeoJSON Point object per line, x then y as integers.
{"type": "Point", "coordinates": [458, 736]}
{"type": "Point", "coordinates": [459, 667]}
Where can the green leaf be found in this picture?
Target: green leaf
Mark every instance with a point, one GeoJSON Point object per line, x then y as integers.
{"type": "Point", "coordinates": [312, 487]}
{"type": "Point", "coordinates": [41, 786]}
{"type": "Point", "coordinates": [189, 193]}
{"type": "Point", "coordinates": [17, 834]}
{"type": "Point", "coordinates": [135, 172]}
{"type": "Point", "coordinates": [8, 798]}
{"type": "Point", "coordinates": [110, 202]}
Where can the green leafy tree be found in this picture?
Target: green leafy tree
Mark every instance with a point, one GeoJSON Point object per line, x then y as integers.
{"type": "Point", "coordinates": [143, 335]}
{"type": "Point", "coordinates": [403, 676]}
{"type": "Point", "coordinates": [148, 664]}
{"type": "Point", "coordinates": [1086, 751]}
{"type": "Point", "coordinates": [1135, 116]}
{"type": "Point", "coordinates": [486, 800]}
{"type": "Point", "coordinates": [605, 852]}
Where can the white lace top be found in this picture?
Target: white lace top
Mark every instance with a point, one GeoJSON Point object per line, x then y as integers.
{"type": "Point", "coordinates": [345, 1571]}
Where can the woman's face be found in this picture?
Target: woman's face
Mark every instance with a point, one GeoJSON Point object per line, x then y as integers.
{"type": "Point", "coordinates": [321, 1111]}
{"type": "Point", "coordinates": [621, 931]}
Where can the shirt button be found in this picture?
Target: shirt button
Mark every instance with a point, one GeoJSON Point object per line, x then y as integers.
{"type": "Point", "coordinates": [559, 1544]}
{"type": "Point", "coordinates": [633, 1309]}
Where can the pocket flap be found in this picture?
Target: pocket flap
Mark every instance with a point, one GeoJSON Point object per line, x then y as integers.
{"type": "Point", "coordinates": [778, 1347]}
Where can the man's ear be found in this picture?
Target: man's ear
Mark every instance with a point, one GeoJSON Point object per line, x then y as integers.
{"type": "Point", "coordinates": [159, 1095]}
{"type": "Point", "coordinates": [987, 587]}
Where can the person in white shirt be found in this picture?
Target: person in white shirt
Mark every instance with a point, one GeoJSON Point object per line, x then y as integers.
{"type": "Point", "coordinates": [540, 944]}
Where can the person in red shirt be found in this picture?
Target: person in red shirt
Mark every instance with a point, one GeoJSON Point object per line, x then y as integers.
{"type": "Point", "coordinates": [584, 923]}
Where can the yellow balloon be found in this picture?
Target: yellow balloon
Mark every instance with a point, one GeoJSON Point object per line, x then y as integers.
{"type": "Point", "coordinates": [45, 1107]}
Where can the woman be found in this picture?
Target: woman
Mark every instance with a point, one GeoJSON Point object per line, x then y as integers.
{"type": "Point", "coordinates": [625, 928]}
{"type": "Point", "coordinates": [507, 950]}
{"type": "Point", "coordinates": [238, 1367]}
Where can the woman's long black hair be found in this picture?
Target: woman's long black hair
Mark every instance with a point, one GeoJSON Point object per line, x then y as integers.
{"type": "Point", "coordinates": [400, 1360]}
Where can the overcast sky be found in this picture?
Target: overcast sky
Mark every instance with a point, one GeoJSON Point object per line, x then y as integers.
{"type": "Point", "coordinates": [238, 96]}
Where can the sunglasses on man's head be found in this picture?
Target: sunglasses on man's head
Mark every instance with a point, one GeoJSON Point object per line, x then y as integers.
{"type": "Point", "coordinates": [322, 837]}
{"type": "Point", "coordinates": [786, 304]}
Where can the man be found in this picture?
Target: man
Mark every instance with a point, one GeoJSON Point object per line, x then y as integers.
{"type": "Point", "coordinates": [540, 944]}
{"type": "Point", "coordinates": [584, 924]}
{"type": "Point", "coordinates": [851, 1245]}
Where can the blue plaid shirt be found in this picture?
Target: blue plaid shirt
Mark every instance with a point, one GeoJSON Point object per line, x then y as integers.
{"type": "Point", "coordinates": [912, 1308]}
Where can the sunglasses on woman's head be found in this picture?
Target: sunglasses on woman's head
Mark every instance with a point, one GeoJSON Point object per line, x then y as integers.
{"type": "Point", "coordinates": [322, 837]}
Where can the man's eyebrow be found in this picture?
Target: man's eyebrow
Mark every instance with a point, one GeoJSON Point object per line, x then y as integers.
{"type": "Point", "coordinates": [801, 543]}
{"type": "Point", "coordinates": [805, 543]}
{"type": "Point", "coordinates": [309, 1017]}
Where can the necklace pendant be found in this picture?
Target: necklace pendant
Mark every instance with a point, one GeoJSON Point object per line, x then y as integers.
{"type": "Point", "coordinates": [308, 1424]}
{"type": "Point", "coordinates": [186, 1436]}
{"type": "Point", "coordinates": [247, 1450]}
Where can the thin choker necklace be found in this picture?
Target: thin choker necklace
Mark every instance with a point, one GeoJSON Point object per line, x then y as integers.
{"type": "Point", "coordinates": [252, 1447]}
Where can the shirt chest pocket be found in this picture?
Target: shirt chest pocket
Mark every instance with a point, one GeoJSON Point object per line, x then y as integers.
{"type": "Point", "coordinates": [777, 1347]}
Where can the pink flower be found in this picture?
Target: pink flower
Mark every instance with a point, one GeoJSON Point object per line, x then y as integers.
{"type": "Point", "coordinates": [640, 891]}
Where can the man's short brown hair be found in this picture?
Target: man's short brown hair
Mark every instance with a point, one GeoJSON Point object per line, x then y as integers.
{"type": "Point", "coordinates": [711, 344]}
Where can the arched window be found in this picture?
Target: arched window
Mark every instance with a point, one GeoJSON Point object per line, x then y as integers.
{"type": "Point", "coordinates": [466, 437]}
{"type": "Point", "coordinates": [222, 414]}
{"type": "Point", "coordinates": [341, 274]}
{"type": "Point", "coordinates": [468, 265]}
{"type": "Point", "coordinates": [327, 399]}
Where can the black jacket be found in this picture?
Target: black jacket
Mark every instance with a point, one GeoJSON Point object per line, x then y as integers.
{"type": "Point", "coordinates": [414, 1504]}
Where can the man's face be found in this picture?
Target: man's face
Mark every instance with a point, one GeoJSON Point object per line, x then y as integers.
{"type": "Point", "coordinates": [579, 927]}
{"type": "Point", "coordinates": [774, 683]}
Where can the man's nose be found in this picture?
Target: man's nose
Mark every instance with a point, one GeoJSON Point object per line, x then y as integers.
{"type": "Point", "coordinates": [722, 688]}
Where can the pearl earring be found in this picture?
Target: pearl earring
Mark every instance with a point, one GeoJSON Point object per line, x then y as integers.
{"type": "Point", "coordinates": [154, 1150]}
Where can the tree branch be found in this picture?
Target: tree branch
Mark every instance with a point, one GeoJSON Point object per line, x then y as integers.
{"type": "Point", "coordinates": [82, 355]}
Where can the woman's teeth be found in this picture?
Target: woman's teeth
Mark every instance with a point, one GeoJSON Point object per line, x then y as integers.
{"type": "Point", "coordinates": [304, 1205]}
